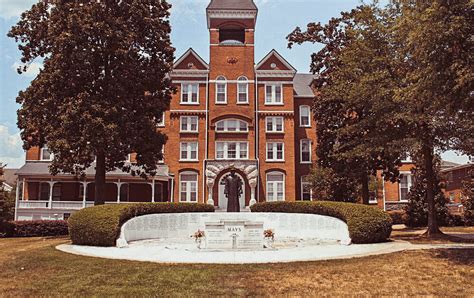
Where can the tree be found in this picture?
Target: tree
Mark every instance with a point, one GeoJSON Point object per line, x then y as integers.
{"type": "Point", "coordinates": [357, 131]}
{"type": "Point", "coordinates": [327, 185]}
{"type": "Point", "coordinates": [468, 198]}
{"type": "Point", "coordinates": [103, 87]}
{"type": "Point", "coordinates": [7, 201]}
{"type": "Point", "coordinates": [417, 208]}
{"type": "Point", "coordinates": [434, 54]}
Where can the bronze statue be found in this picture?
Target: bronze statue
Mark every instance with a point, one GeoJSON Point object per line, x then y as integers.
{"type": "Point", "coordinates": [233, 191]}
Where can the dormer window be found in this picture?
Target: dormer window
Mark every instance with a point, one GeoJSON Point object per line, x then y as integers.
{"type": "Point", "coordinates": [242, 90]}
{"type": "Point", "coordinates": [221, 90]}
{"type": "Point", "coordinates": [232, 35]}
{"type": "Point", "coordinates": [45, 154]}
{"type": "Point", "coordinates": [232, 125]}
{"type": "Point", "coordinates": [273, 94]}
{"type": "Point", "coordinates": [189, 93]}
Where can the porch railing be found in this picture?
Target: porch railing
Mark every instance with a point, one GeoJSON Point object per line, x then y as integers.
{"type": "Point", "coordinates": [33, 204]}
{"type": "Point", "coordinates": [72, 205]}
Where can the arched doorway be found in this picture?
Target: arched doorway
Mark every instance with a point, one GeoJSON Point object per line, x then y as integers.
{"type": "Point", "coordinates": [222, 199]}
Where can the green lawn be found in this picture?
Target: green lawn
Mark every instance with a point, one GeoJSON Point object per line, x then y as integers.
{"type": "Point", "coordinates": [32, 267]}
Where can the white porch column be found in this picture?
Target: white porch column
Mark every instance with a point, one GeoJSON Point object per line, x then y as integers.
{"type": "Point", "coordinates": [119, 186]}
{"type": "Point", "coordinates": [51, 187]}
{"type": "Point", "coordinates": [172, 190]}
{"type": "Point", "coordinates": [253, 186]}
{"type": "Point", "coordinates": [153, 191]}
{"type": "Point", "coordinates": [84, 195]}
{"type": "Point", "coordinates": [17, 198]}
{"type": "Point", "coordinates": [210, 187]}
{"type": "Point", "coordinates": [23, 189]}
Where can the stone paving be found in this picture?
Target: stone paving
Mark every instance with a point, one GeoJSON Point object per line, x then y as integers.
{"type": "Point", "coordinates": [161, 251]}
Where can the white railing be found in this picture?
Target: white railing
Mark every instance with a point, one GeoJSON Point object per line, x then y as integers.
{"type": "Point", "coordinates": [33, 204]}
{"type": "Point", "coordinates": [68, 205]}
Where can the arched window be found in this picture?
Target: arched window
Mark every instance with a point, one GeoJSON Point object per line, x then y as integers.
{"type": "Point", "coordinates": [188, 187]}
{"type": "Point", "coordinates": [232, 125]}
{"type": "Point", "coordinates": [242, 90]}
{"type": "Point", "coordinates": [221, 90]}
{"type": "Point", "coordinates": [305, 116]}
{"type": "Point", "coordinates": [275, 186]}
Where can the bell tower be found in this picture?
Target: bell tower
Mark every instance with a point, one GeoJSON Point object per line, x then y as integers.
{"type": "Point", "coordinates": [231, 25]}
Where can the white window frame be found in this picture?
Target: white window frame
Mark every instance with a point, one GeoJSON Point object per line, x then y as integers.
{"type": "Point", "coordinates": [188, 187]}
{"type": "Point", "coordinates": [409, 185]}
{"type": "Point", "coordinates": [226, 150]}
{"type": "Point", "coordinates": [221, 80]}
{"type": "Point", "coordinates": [226, 126]}
{"type": "Point", "coordinates": [275, 151]}
{"type": "Point", "coordinates": [161, 122]}
{"type": "Point", "coordinates": [302, 184]}
{"type": "Point", "coordinates": [188, 151]}
{"type": "Point", "coordinates": [274, 124]}
{"type": "Point", "coordinates": [301, 152]}
{"type": "Point", "coordinates": [301, 116]}
{"type": "Point", "coordinates": [273, 101]}
{"type": "Point", "coordinates": [190, 93]}
{"type": "Point", "coordinates": [51, 157]}
{"type": "Point", "coordinates": [275, 187]}
{"type": "Point", "coordinates": [243, 81]}
{"type": "Point", "coordinates": [188, 124]}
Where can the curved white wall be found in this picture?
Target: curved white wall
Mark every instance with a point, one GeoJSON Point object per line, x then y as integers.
{"type": "Point", "coordinates": [183, 225]}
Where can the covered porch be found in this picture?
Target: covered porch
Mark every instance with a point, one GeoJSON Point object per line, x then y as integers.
{"type": "Point", "coordinates": [41, 196]}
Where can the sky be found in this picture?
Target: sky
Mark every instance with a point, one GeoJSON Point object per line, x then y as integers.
{"type": "Point", "coordinates": [276, 19]}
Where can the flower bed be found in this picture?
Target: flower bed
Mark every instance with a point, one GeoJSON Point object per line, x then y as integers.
{"type": "Point", "coordinates": [100, 225]}
{"type": "Point", "coordinates": [366, 224]}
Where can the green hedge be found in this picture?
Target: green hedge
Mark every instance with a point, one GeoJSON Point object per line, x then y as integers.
{"type": "Point", "coordinates": [100, 225]}
{"type": "Point", "coordinates": [366, 224]}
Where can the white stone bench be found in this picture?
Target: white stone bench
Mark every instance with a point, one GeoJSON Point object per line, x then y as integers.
{"type": "Point", "coordinates": [183, 225]}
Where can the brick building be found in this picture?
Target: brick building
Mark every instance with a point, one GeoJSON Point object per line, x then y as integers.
{"type": "Point", "coordinates": [229, 112]}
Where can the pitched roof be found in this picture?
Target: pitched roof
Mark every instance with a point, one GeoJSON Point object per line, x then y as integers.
{"type": "Point", "coordinates": [448, 164]}
{"type": "Point", "coordinates": [302, 84]}
{"type": "Point", "coordinates": [190, 51]}
{"type": "Point", "coordinates": [232, 4]}
{"type": "Point", "coordinates": [274, 53]}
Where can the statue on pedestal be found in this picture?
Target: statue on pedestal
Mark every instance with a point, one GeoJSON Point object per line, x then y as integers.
{"type": "Point", "coordinates": [233, 191]}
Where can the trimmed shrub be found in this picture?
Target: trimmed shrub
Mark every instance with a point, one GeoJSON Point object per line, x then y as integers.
{"type": "Point", "coordinates": [455, 220]}
{"type": "Point", "coordinates": [399, 217]}
{"type": "Point", "coordinates": [100, 225]}
{"type": "Point", "coordinates": [366, 224]}
{"type": "Point", "coordinates": [6, 229]}
{"type": "Point", "coordinates": [38, 228]}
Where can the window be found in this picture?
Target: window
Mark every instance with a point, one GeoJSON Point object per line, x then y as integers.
{"type": "Point", "coordinates": [231, 150]}
{"type": "Point", "coordinates": [273, 94]}
{"type": "Point", "coordinates": [305, 151]}
{"type": "Point", "coordinates": [189, 93]}
{"type": "Point", "coordinates": [46, 154]}
{"type": "Point", "coordinates": [189, 123]}
{"type": "Point", "coordinates": [242, 90]}
{"type": "Point", "coordinates": [452, 197]}
{"type": "Point", "coordinates": [161, 121]}
{"type": "Point", "coordinates": [232, 125]}
{"type": "Point", "coordinates": [275, 151]}
{"type": "Point", "coordinates": [44, 191]}
{"type": "Point", "coordinates": [305, 116]}
{"type": "Point", "coordinates": [57, 192]}
{"type": "Point", "coordinates": [306, 191]}
{"type": "Point", "coordinates": [274, 124]}
{"type": "Point", "coordinates": [405, 185]}
{"type": "Point", "coordinates": [188, 187]}
{"type": "Point", "coordinates": [221, 90]}
{"type": "Point", "coordinates": [275, 186]}
{"type": "Point", "coordinates": [189, 151]}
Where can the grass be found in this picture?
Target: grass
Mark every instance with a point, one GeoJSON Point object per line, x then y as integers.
{"type": "Point", "coordinates": [33, 267]}
{"type": "Point", "coordinates": [451, 235]}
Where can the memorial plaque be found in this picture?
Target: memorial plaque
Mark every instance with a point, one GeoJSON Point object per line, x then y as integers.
{"type": "Point", "coordinates": [234, 234]}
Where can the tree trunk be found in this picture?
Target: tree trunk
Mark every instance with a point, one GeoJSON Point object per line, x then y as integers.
{"type": "Point", "coordinates": [365, 189]}
{"type": "Point", "coordinates": [433, 227]}
{"type": "Point", "coordinates": [99, 179]}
